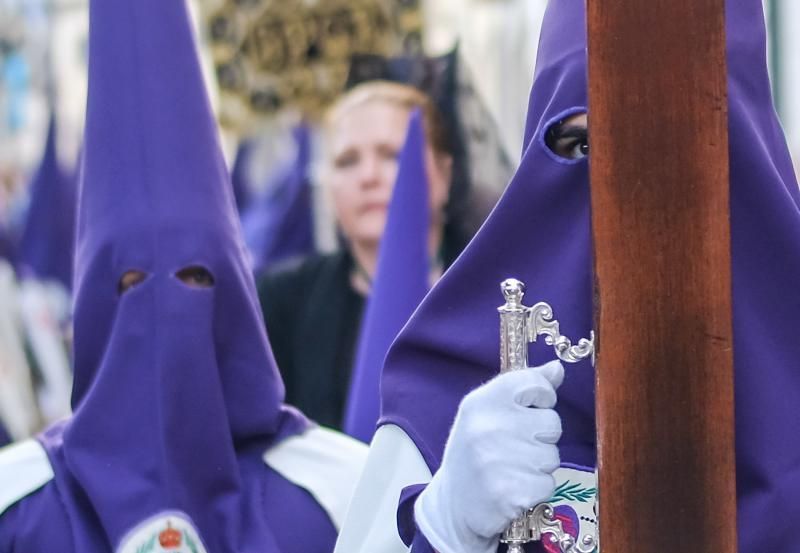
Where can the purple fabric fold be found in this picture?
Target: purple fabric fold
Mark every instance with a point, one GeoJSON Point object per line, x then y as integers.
{"type": "Point", "coordinates": [406, 526]}
{"type": "Point", "coordinates": [540, 233]}
{"type": "Point", "coordinates": [400, 283]}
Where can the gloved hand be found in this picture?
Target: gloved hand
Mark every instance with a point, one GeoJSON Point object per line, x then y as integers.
{"type": "Point", "coordinates": [498, 461]}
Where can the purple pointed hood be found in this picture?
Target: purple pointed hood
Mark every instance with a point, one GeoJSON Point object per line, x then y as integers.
{"type": "Point", "coordinates": [540, 233]}
{"type": "Point", "coordinates": [171, 382]}
{"type": "Point", "coordinates": [46, 244]}
{"type": "Point", "coordinates": [280, 225]}
{"type": "Point", "coordinates": [401, 281]}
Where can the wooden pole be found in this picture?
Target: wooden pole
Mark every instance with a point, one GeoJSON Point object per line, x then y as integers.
{"type": "Point", "coordinates": [659, 179]}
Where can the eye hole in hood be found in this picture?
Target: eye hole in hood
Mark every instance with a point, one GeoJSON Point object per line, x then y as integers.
{"type": "Point", "coordinates": [196, 276]}
{"type": "Point", "coordinates": [130, 279]}
{"type": "Point", "coordinates": [568, 138]}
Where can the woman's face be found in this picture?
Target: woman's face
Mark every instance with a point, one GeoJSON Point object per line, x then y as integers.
{"type": "Point", "coordinates": [361, 169]}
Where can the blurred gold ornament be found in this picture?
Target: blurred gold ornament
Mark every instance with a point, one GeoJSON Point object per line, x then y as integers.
{"type": "Point", "coordinates": [271, 55]}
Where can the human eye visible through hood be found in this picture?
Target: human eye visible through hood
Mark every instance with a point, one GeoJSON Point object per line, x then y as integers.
{"type": "Point", "coordinates": [569, 138]}
{"type": "Point", "coordinates": [196, 277]}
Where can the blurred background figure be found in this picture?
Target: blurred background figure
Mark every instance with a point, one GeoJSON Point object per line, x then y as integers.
{"type": "Point", "coordinates": [279, 225]}
{"type": "Point", "coordinates": [240, 174]}
{"type": "Point", "coordinates": [19, 413]}
{"type": "Point", "coordinates": [44, 266]}
{"type": "Point", "coordinates": [37, 202]}
{"type": "Point", "coordinates": [273, 68]}
{"type": "Point", "coordinates": [313, 310]}
{"type": "Point", "coordinates": [36, 316]}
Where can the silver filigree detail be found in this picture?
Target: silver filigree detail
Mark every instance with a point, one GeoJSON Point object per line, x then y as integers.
{"type": "Point", "coordinates": [513, 327]}
{"type": "Point", "coordinates": [545, 525]}
{"type": "Point", "coordinates": [542, 323]}
{"type": "Point", "coordinates": [540, 523]}
{"type": "Point", "coordinates": [520, 324]}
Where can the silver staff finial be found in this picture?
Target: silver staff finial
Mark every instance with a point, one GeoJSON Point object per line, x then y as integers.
{"type": "Point", "coordinates": [536, 321]}
{"type": "Point", "coordinates": [513, 290]}
{"type": "Point", "coordinates": [520, 325]}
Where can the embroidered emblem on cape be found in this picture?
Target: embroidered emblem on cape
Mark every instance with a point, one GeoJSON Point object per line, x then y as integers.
{"type": "Point", "coordinates": [574, 503]}
{"type": "Point", "coordinates": [167, 532]}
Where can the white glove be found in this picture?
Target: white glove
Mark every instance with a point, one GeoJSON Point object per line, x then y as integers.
{"type": "Point", "coordinates": [498, 461]}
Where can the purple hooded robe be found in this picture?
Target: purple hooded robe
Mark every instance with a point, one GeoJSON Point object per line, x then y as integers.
{"type": "Point", "coordinates": [176, 395]}
{"type": "Point", "coordinates": [540, 233]}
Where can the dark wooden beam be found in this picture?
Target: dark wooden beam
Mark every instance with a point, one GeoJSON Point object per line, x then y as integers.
{"type": "Point", "coordinates": [659, 179]}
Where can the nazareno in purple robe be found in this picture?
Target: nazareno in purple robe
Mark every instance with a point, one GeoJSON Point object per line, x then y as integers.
{"type": "Point", "coordinates": [540, 233]}
{"type": "Point", "coordinates": [176, 394]}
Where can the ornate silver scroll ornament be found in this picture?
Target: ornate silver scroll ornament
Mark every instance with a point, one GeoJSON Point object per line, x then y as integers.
{"type": "Point", "coordinates": [520, 325]}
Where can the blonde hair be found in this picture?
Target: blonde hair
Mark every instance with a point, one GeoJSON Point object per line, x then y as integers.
{"type": "Point", "coordinates": [397, 94]}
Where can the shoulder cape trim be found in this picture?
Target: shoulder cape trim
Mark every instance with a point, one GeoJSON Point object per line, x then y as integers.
{"type": "Point", "coordinates": [24, 468]}
{"type": "Point", "coordinates": [325, 463]}
{"type": "Point", "coordinates": [394, 462]}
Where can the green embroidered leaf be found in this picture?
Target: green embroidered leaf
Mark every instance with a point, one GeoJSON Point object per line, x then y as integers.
{"type": "Point", "coordinates": [568, 491]}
